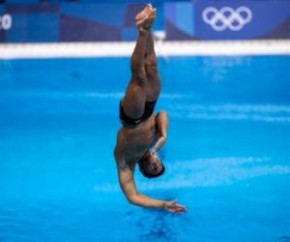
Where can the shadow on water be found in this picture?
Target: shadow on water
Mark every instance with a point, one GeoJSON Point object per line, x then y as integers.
{"type": "Point", "coordinates": [158, 225]}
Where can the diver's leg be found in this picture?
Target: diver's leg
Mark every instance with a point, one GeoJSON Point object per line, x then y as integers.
{"type": "Point", "coordinates": [135, 97]}
{"type": "Point", "coordinates": [153, 83]}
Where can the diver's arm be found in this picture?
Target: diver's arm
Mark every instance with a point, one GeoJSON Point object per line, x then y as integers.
{"type": "Point", "coordinates": [127, 184]}
{"type": "Point", "coordinates": [128, 187]}
{"type": "Point", "coordinates": [162, 124]}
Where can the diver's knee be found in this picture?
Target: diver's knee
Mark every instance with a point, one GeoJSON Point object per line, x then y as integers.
{"type": "Point", "coordinates": [139, 78]}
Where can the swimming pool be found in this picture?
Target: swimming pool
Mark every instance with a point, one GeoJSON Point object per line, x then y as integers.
{"type": "Point", "coordinates": [227, 154]}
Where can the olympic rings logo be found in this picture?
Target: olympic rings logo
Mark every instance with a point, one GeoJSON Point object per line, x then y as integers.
{"type": "Point", "coordinates": [227, 17]}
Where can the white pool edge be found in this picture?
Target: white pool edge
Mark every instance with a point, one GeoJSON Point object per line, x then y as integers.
{"type": "Point", "coordinates": [124, 49]}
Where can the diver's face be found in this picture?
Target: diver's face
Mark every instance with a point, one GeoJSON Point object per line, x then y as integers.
{"type": "Point", "coordinates": [154, 165]}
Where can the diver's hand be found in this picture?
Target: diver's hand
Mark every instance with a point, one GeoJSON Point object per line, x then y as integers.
{"type": "Point", "coordinates": [174, 207]}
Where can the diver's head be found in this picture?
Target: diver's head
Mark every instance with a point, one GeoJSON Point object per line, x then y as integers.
{"type": "Point", "coordinates": [150, 165]}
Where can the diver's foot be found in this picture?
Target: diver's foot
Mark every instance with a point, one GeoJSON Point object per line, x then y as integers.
{"type": "Point", "coordinates": [147, 21]}
{"type": "Point", "coordinates": [143, 13]}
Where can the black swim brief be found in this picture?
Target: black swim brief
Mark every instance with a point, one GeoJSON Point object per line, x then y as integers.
{"type": "Point", "coordinates": [149, 109]}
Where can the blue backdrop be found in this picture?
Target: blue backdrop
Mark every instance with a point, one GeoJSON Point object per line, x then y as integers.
{"type": "Point", "coordinates": [57, 21]}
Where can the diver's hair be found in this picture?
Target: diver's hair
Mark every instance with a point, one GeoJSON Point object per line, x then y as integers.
{"type": "Point", "coordinates": [149, 175]}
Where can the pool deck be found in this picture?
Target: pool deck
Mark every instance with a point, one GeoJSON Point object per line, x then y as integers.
{"type": "Point", "coordinates": [163, 48]}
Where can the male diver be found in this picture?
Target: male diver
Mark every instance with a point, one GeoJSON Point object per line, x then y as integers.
{"type": "Point", "coordinates": [142, 133]}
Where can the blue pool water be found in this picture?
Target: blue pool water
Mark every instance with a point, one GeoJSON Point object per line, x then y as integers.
{"type": "Point", "coordinates": [227, 154]}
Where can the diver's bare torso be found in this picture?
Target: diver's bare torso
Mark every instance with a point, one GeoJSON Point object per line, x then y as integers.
{"type": "Point", "coordinates": [133, 142]}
